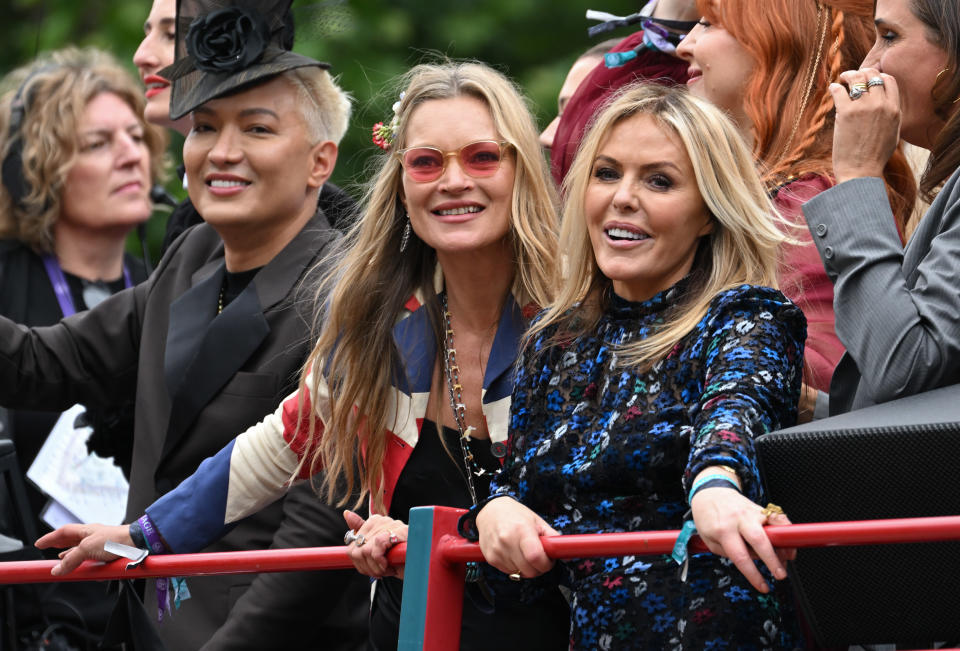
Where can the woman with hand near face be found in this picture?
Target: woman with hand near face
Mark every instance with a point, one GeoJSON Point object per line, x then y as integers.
{"type": "Point", "coordinates": [410, 380]}
{"type": "Point", "coordinates": [642, 387]}
{"type": "Point", "coordinates": [896, 304]}
{"type": "Point", "coordinates": [768, 64]}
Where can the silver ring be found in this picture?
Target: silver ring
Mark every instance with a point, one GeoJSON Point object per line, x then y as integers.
{"type": "Point", "coordinates": [360, 540]}
{"type": "Point", "coordinates": [515, 576]}
{"type": "Point", "coordinates": [393, 539]}
{"type": "Point", "coordinates": [856, 93]}
{"type": "Point", "coordinates": [349, 537]}
{"type": "Point", "coordinates": [874, 81]}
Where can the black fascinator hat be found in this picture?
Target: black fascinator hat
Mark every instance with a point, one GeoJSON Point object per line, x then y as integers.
{"type": "Point", "coordinates": [223, 46]}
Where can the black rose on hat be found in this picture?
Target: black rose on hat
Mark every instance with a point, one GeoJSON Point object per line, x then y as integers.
{"type": "Point", "coordinates": [227, 40]}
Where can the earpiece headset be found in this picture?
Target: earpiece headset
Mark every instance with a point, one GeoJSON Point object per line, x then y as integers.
{"type": "Point", "coordinates": [12, 168]}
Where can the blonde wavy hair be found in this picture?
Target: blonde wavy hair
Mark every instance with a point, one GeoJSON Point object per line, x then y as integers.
{"type": "Point", "coordinates": [56, 89]}
{"type": "Point", "coordinates": [741, 248]}
{"type": "Point", "coordinates": [367, 289]}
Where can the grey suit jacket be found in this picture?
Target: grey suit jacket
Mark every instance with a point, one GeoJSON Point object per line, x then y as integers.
{"type": "Point", "coordinates": [199, 379]}
{"type": "Point", "coordinates": [897, 308]}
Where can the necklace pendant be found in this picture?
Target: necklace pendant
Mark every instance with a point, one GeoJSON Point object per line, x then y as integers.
{"type": "Point", "coordinates": [466, 435]}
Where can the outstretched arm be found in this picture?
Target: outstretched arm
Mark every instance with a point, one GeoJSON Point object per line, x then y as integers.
{"type": "Point", "coordinates": [252, 471]}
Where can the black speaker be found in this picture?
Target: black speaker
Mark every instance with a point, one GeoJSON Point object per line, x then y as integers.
{"type": "Point", "coordinates": [895, 460]}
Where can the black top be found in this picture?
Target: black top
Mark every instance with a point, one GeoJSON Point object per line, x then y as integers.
{"type": "Point", "coordinates": [235, 283]}
{"type": "Point", "coordinates": [432, 477]}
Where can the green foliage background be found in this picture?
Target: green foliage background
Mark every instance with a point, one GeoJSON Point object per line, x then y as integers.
{"type": "Point", "coordinates": [533, 41]}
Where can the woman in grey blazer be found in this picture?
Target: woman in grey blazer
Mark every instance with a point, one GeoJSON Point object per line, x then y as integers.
{"type": "Point", "coordinates": [897, 307]}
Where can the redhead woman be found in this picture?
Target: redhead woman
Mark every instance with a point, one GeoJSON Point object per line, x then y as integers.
{"type": "Point", "coordinates": [640, 390]}
{"type": "Point", "coordinates": [410, 380]}
{"type": "Point", "coordinates": [896, 304]}
{"type": "Point", "coordinates": [768, 63]}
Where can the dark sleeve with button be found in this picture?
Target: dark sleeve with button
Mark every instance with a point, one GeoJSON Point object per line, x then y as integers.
{"type": "Point", "coordinates": [896, 307]}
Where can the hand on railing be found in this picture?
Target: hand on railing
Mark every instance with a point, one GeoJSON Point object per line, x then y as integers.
{"type": "Point", "coordinates": [85, 542]}
{"type": "Point", "coordinates": [510, 538]}
{"type": "Point", "coordinates": [370, 541]}
{"type": "Point", "coordinates": [732, 526]}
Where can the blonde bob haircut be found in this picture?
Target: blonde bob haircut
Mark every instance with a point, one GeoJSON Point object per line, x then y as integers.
{"type": "Point", "coordinates": [56, 89]}
{"type": "Point", "coordinates": [741, 248]}
{"type": "Point", "coordinates": [367, 290]}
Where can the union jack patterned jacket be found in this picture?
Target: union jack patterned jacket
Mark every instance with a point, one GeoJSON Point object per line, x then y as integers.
{"type": "Point", "coordinates": [255, 468]}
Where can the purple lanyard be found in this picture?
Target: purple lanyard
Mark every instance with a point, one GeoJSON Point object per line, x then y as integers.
{"type": "Point", "coordinates": [62, 290]}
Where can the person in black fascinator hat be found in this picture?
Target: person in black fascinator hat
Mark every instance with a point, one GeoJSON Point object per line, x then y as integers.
{"type": "Point", "coordinates": [229, 39]}
{"type": "Point", "coordinates": [216, 336]}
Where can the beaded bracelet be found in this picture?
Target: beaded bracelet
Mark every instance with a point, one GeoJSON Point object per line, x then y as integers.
{"type": "Point", "coordinates": [710, 481]}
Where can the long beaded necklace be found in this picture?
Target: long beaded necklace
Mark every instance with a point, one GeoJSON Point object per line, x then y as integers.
{"type": "Point", "coordinates": [455, 390]}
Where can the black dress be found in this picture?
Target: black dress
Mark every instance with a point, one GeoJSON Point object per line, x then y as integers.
{"type": "Point", "coordinates": [432, 476]}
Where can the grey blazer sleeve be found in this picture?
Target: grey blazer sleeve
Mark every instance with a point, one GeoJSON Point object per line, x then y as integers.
{"type": "Point", "coordinates": [896, 308]}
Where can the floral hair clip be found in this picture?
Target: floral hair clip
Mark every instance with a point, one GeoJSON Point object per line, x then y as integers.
{"type": "Point", "coordinates": [384, 134]}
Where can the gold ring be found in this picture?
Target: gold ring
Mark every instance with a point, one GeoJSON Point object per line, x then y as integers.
{"type": "Point", "coordinates": [771, 509]}
{"type": "Point", "coordinates": [515, 576]}
{"type": "Point", "coordinates": [857, 90]}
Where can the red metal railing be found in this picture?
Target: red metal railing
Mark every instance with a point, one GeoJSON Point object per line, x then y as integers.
{"type": "Point", "coordinates": [434, 558]}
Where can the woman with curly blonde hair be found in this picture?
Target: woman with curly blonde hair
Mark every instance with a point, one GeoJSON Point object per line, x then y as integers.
{"type": "Point", "coordinates": [78, 161]}
{"type": "Point", "coordinates": [78, 156]}
{"type": "Point", "coordinates": [769, 63]}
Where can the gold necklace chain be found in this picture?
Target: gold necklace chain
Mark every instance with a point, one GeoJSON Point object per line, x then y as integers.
{"type": "Point", "coordinates": [455, 389]}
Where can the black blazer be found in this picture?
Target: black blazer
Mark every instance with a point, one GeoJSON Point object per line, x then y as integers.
{"type": "Point", "coordinates": [198, 380]}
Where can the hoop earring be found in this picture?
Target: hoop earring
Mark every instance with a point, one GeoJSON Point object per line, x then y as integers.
{"type": "Point", "coordinates": [937, 81]}
{"type": "Point", "coordinates": [405, 238]}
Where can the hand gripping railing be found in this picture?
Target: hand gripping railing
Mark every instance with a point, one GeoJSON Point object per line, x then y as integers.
{"type": "Point", "coordinates": [435, 558]}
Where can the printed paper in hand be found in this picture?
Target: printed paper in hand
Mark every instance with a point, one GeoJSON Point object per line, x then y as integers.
{"type": "Point", "coordinates": [86, 487]}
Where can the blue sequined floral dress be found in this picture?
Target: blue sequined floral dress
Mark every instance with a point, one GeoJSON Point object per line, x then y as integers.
{"type": "Point", "coordinates": [596, 447]}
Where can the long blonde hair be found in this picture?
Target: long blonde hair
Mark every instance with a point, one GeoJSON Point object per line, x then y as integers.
{"type": "Point", "coordinates": [56, 89]}
{"type": "Point", "coordinates": [366, 291]}
{"type": "Point", "coordinates": [741, 248]}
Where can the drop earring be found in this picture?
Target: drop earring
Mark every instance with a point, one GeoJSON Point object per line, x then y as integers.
{"type": "Point", "coordinates": [405, 238]}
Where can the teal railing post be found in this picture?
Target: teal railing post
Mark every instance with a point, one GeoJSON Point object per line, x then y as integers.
{"type": "Point", "coordinates": [432, 587]}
